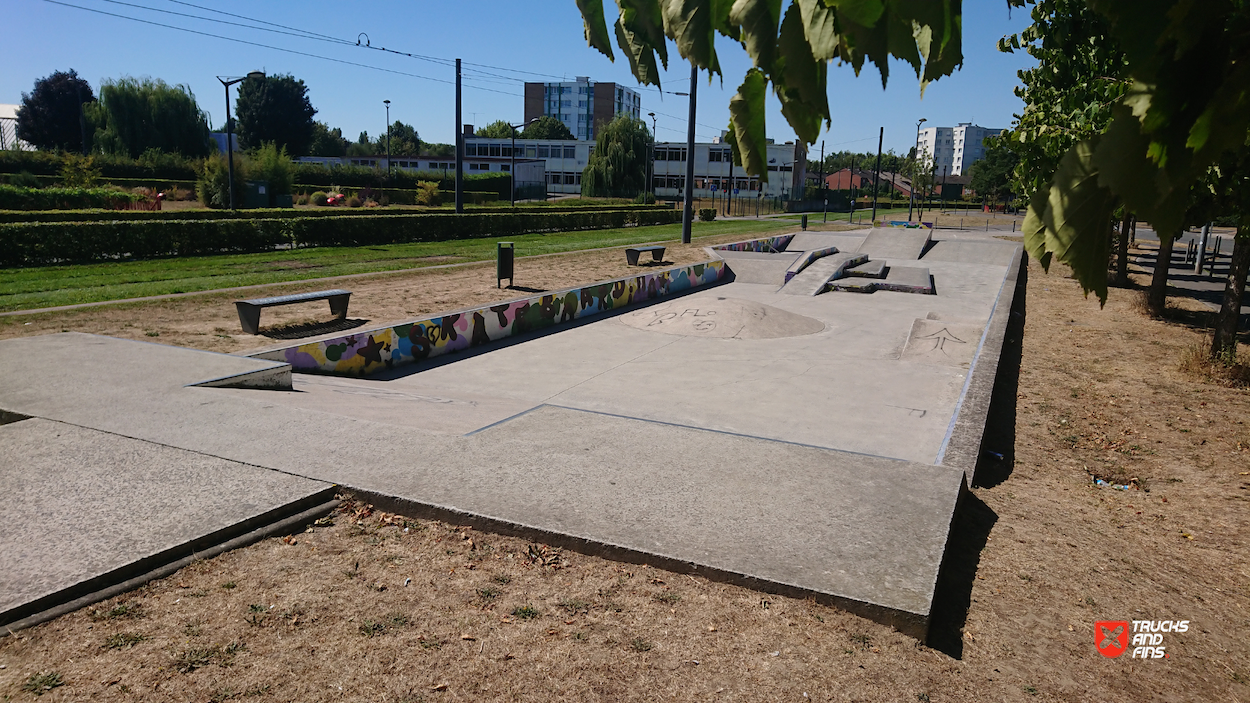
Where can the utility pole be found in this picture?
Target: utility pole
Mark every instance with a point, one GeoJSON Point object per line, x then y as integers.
{"type": "Point", "coordinates": [943, 206]}
{"type": "Point", "coordinates": [876, 176]}
{"type": "Point", "coordinates": [459, 147]}
{"type": "Point", "coordinates": [227, 82]}
{"type": "Point", "coordinates": [651, 160]}
{"type": "Point", "coordinates": [388, 139]}
{"type": "Point", "coordinates": [687, 218]}
{"type": "Point", "coordinates": [911, 194]}
{"type": "Point", "coordinates": [824, 196]}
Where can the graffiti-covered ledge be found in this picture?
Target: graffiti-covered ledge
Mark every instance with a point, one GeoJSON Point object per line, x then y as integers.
{"type": "Point", "coordinates": [368, 351]}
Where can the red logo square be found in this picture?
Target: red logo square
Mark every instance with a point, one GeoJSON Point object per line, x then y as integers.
{"type": "Point", "coordinates": [1111, 636]}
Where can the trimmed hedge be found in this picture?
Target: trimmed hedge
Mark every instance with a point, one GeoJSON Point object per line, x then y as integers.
{"type": "Point", "coordinates": [19, 198]}
{"type": "Point", "coordinates": [100, 215]}
{"type": "Point", "coordinates": [47, 243]}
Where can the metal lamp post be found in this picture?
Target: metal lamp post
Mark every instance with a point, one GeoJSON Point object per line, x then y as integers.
{"type": "Point", "coordinates": [388, 138]}
{"type": "Point", "coordinates": [227, 82]}
{"type": "Point", "coordinates": [651, 160]}
{"type": "Point", "coordinates": [512, 155]}
{"type": "Point", "coordinates": [911, 195]}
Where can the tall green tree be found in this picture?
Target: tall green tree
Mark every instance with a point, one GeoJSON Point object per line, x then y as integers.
{"type": "Point", "coordinates": [275, 109]}
{"type": "Point", "coordinates": [50, 115]}
{"type": "Point", "coordinates": [618, 166]}
{"type": "Point", "coordinates": [404, 140]}
{"type": "Point", "coordinates": [326, 141]}
{"type": "Point", "coordinates": [497, 130]}
{"type": "Point", "coordinates": [134, 115]}
{"type": "Point", "coordinates": [992, 175]}
{"type": "Point", "coordinates": [790, 50]}
{"type": "Point", "coordinates": [546, 127]}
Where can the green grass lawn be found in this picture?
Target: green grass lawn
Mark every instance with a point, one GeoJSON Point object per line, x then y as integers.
{"type": "Point", "coordinates": [27, 288]}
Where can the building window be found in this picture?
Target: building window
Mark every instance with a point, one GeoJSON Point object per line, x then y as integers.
{"type": "Point", "coordinates": [505, 167]}
{"type": "Point", "coordinates": [507, 151]}
{"type": "Point", "coordinates": [494, 150]}
{"type": "Point", "coordinates": [543, 151]}
{"type": "Point", "coordinates": [570, 152]}
{"type": "Point", "coordinates": [470, 150]}
{"type": "Point", "coordinates": [568, 179]}
{"type": "Point", "coordinates": [555, 179]}
{"type": "Point", "coordinates": [529, 151]}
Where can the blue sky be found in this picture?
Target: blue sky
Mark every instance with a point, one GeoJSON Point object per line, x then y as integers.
{"type": "Point", "coordinates": [510, 42]}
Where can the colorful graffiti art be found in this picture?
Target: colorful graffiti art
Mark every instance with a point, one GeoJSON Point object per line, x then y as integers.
{"type": "Point", "coordinates": [373, 350]}
{"type": "Point", "coordinates": [903, 224]}
{"type": "Point", "coordinates": [767, 245]}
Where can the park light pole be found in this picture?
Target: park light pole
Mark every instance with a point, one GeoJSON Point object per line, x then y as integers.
{"type": "Point", "coordinates": [651, 160]}
{"type": "Point", "coordinates": [911, 194]}
{"type": "Point", "coordinates": [388, 138]}
{"type": "Point", "coordinates": [227, 81]}
{"type": "Point", "coordinates": [512, 154]}
{"type": "Point", "coordinates": [687, 217]}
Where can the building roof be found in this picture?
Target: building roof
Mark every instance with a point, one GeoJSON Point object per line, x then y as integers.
{"type": "Point", "coordinates": [8, 112]}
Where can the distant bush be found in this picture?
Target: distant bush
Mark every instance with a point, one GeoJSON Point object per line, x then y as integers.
{"type": "Point", "coordinates": [707, 214]}
{"type": "Point", "coordinates": [318, 198]}
{"type": "Point", "coordinates": [427, 193]}
{"type": "Point", "coordinates": [79, 172]}
{"type": "Point", "coordinates": [24, 179]}
{"type": "Point", "coordinates": [213, 186]}
{"type": "Point", "coordinates": [19, 198]}
{"type": "Point", "coordinates": [355, 201]}
{"type": "Point", "coordinates": [645, 198]}
{"type": "Point", "coordinates": [271, 164]}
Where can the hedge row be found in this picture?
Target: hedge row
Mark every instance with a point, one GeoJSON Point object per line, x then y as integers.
{"type": "Point", "coordinates": [48, 163]}
{"type": "Point", "coordinates": [18, 198]}
{"type": "Point", "coordinates": [14, 216]}
{"type": "Point", "coordinates": [46, 243]}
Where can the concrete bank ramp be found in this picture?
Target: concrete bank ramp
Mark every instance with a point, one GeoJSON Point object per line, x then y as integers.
{"type": "Point", "coordinates": [724, 318]}
{"type": "Point", "coordinates": [972, 251]}
{"type": "Point", "coordinates": [812, 280]}
{"type": "Point", "coordinates": [759, 267]}
{"type": "Point", "coordinates": [895, 243]}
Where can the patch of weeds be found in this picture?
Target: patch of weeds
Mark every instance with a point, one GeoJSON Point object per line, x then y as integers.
{"type": "Point", "coordinates": [862, 639]}
{"type": "Point", "coordinates": [666, 597]}
{"type": "Point", "coordinates": [526, 612]}
{"type": "Point", "coordinates": [922, 697]}
{"type": "Point", "coordinates": [121, 610]}
{"type": "Point", "coordinates": [189, 660]}
{"type": "Point", "coordinates": [1176, 480]}
{"type": "Point", "coordinates": [257, 615]}
{"type": "Point", "coordinates": [580, 636]}
{"type": "Point", "coordinates": [327, 521]}
{"type": "Point", "coordinates": [230, 585]}
{"type": "Point", "coordinates": [375, 628]}
{"type": "Point", "coordinates": [153, 334]}
{"type": "Point", "coordinates": [638, 644]}
{"type": "Point", "coordinates": [192, 629]}
{"type": "Point", "coordinates": [818, 618]}
{"type": "Point", "coordinates": [613, 607]}
{"type": "Point", "coordinates": [1024, 577]}
{"type": "Point", "coordinates": [42, 682]}
{"type": "Point", "coordinates": [575, 606]}
{"type": "Point", "coordinates": [371, 628]}
{"type": "Point", "coordinates": [1031, 690]}
{"type": "Point", "coordinates": [488, 593]}
{"type": "Point", "coordinates": [502, 578]}
{"type": "Point", "coordinates": [430, 643]}
{"type": "Point", "coordinates": [123, 640]}
{"type": "Point", "coordinates": [1089, 600]}
{"type": "Point", "coordinates": [197, 594]}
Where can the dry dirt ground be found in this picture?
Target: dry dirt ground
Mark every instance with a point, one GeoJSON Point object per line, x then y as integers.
{"type": "Point", "coordinates": [382, 608]}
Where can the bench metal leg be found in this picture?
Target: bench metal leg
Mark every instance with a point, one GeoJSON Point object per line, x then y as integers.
{"type": "Point", "coordinates": [249, 317]}
{"type": "Point", "coordinates": [657, 254]}
{"type": "Point", "coordinates": [631, 257]}
{"type": "Point", "coordinates": [338, 305]}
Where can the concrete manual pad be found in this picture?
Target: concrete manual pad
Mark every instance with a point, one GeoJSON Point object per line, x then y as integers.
{"type": "Point", "coordinates": [759, 267]}
{"type": "Point", "coordinates": [906, 279]}
{"type": "Point", "coordinates": [83, 503]}
{"type": "Point", "coordinates": [868, 269]}
{"type": "Point", "coordinates": [813, 279]}
{"type": "Point", "coordinates": [972, 251]}
{"type": "Point", "coordinates": [723, 318]}
{"type": "Point", "coordinates": [895, 243]}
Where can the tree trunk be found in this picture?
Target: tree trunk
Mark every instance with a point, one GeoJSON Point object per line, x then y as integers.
{"type": "Point", "coordinates": [1157, 298]}
{"type": "Point", "coordinates": [1121, 264]}
{"type": "Point", "coordinates": [1224, 343]}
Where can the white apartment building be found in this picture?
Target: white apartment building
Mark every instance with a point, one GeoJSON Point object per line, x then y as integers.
{"type": "Point", "coordinates": [582, 105]}
{"type": "Point", "coordinates": [787, 170]}
{"type": "Point", "coordinates": [954, 148]}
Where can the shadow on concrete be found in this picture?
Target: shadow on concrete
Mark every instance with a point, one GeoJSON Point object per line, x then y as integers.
{"type": "Point", "coordinates": [970, 531]}
{"type": "Point", "coordinates": [526, 289]}
{"type": "Point", "coordinates": [311, 329]}
{"type": "Point", "coordinates": [997, 458]}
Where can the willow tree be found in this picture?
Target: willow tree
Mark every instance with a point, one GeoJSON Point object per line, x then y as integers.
{"type": "Point", "coordinates": [790, 45]}
{"type": "Point", "coordinates": [135, 115]}
{"type": "Point", "coordinates": [618, 165]}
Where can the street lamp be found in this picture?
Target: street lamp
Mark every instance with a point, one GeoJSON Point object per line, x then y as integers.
{"type": "Point", "coordinates": [388, 138]}
{"type": "Point", "coordinates": [227, 82]}
{"type": "Point", "coordinates": [512, 155]}
{"type": "Point", "coordinates": [911, 196]}
{"type": "Point", "coordinates": [651, 161]}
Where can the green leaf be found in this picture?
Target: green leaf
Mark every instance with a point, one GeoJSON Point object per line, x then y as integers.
{"type": "Point", "coordinates": [1077, 218]}
{"type": "Point", "coordinates": [596, 26]}
{"type": "Point", "coordinates": [746, 113]}
{"type": "Point", "coordinates": [692, 25]}
{"type": "Point", "coordinates": [758, 19]}
{"type": "Point", "coordinates": [645, 21]}
{"type": "Point", "coordinates": [1034, 230]}
{"type": "Point", "coordinates": [862, 12]}
{"type": "Point", "coordinates": [820, 26]}
{"type": "Point", "coordinates": [641, 57]}
{"type": "Point", "coordinates": [800, 79]}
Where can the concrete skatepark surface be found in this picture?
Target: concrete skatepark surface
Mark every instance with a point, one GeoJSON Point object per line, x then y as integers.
{"type": "Point", "coordinates": [794, 443]}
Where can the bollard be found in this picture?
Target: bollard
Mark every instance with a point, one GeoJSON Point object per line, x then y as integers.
{"type": "Point", "coordinates": [504, 257]}
{"type": "Point", "coordinates": [803, 222]}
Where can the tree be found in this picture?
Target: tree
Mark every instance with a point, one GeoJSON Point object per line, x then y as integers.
{"type": "Point", "coordinates": [50, 116]}
{"type": "Point", "coordinates": [1187, 108]}
{"type": "Point", "coordinates": [618, 166]}
{"type": "Point", "coordinates": [135, 115]}
{"type": "Point", "coordinates": [326, 141]}
{"type": "Point", "coordinates": [497, 130]}
{"type": "Point", "coordinates": [404, 140]}
{"type": "Point", "coordinates": [1226, 195]}
{"type": "Point", "coordinates": [789, 50]}
{"type": "Point", "coordinates": [275, 109]}
{"type": "Point", "coordinates": [546, 127]}
{"type": "Point", "coordinates": [992, 176]}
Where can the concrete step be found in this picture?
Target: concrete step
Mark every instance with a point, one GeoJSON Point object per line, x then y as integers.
{"type": "Point", "coordinates": [854, 284]}
{"type": "Point", "coordinates": [907, 280]}
{"type": "Point", "coordinates": [814, 279]}
{"type": "Point", "coordinates": [869, 269]}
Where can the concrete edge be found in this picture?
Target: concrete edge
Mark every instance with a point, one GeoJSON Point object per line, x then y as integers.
{"type": "Point", "coordinates": [913, 624]}
{"type": "Point", "coordinates": [281, 519]}
{"type": "Point", "coordinates": [962, 445]}
{"type": "Point", "coordinates": [276, 378]}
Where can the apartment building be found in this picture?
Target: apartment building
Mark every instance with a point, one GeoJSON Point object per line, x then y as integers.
{"type": "Point", "coordinates": [954, 148]}
{"type": "Point", "coordinates": [713, 162]}
{"type": "Point", "coordinates": [582, 105]}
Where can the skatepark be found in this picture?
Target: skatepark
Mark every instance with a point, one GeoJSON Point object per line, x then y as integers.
{"type": "Point", "coordinates": [800, 414]}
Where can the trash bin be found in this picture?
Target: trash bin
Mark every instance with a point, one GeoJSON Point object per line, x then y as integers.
{"type": "Point", "coordinates": [504, 254]}
{"type": "Point", "coordinates": [803, 222]}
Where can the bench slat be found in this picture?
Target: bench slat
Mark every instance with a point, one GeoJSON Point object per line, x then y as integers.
{"type": "Point", "coordinates": [294, 298]}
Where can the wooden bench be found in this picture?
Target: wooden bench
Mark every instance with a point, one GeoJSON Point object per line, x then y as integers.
{"type": "Point", "coordinates": [631, 254]}
{"type": "Point", "coordinates": [249, 310]}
